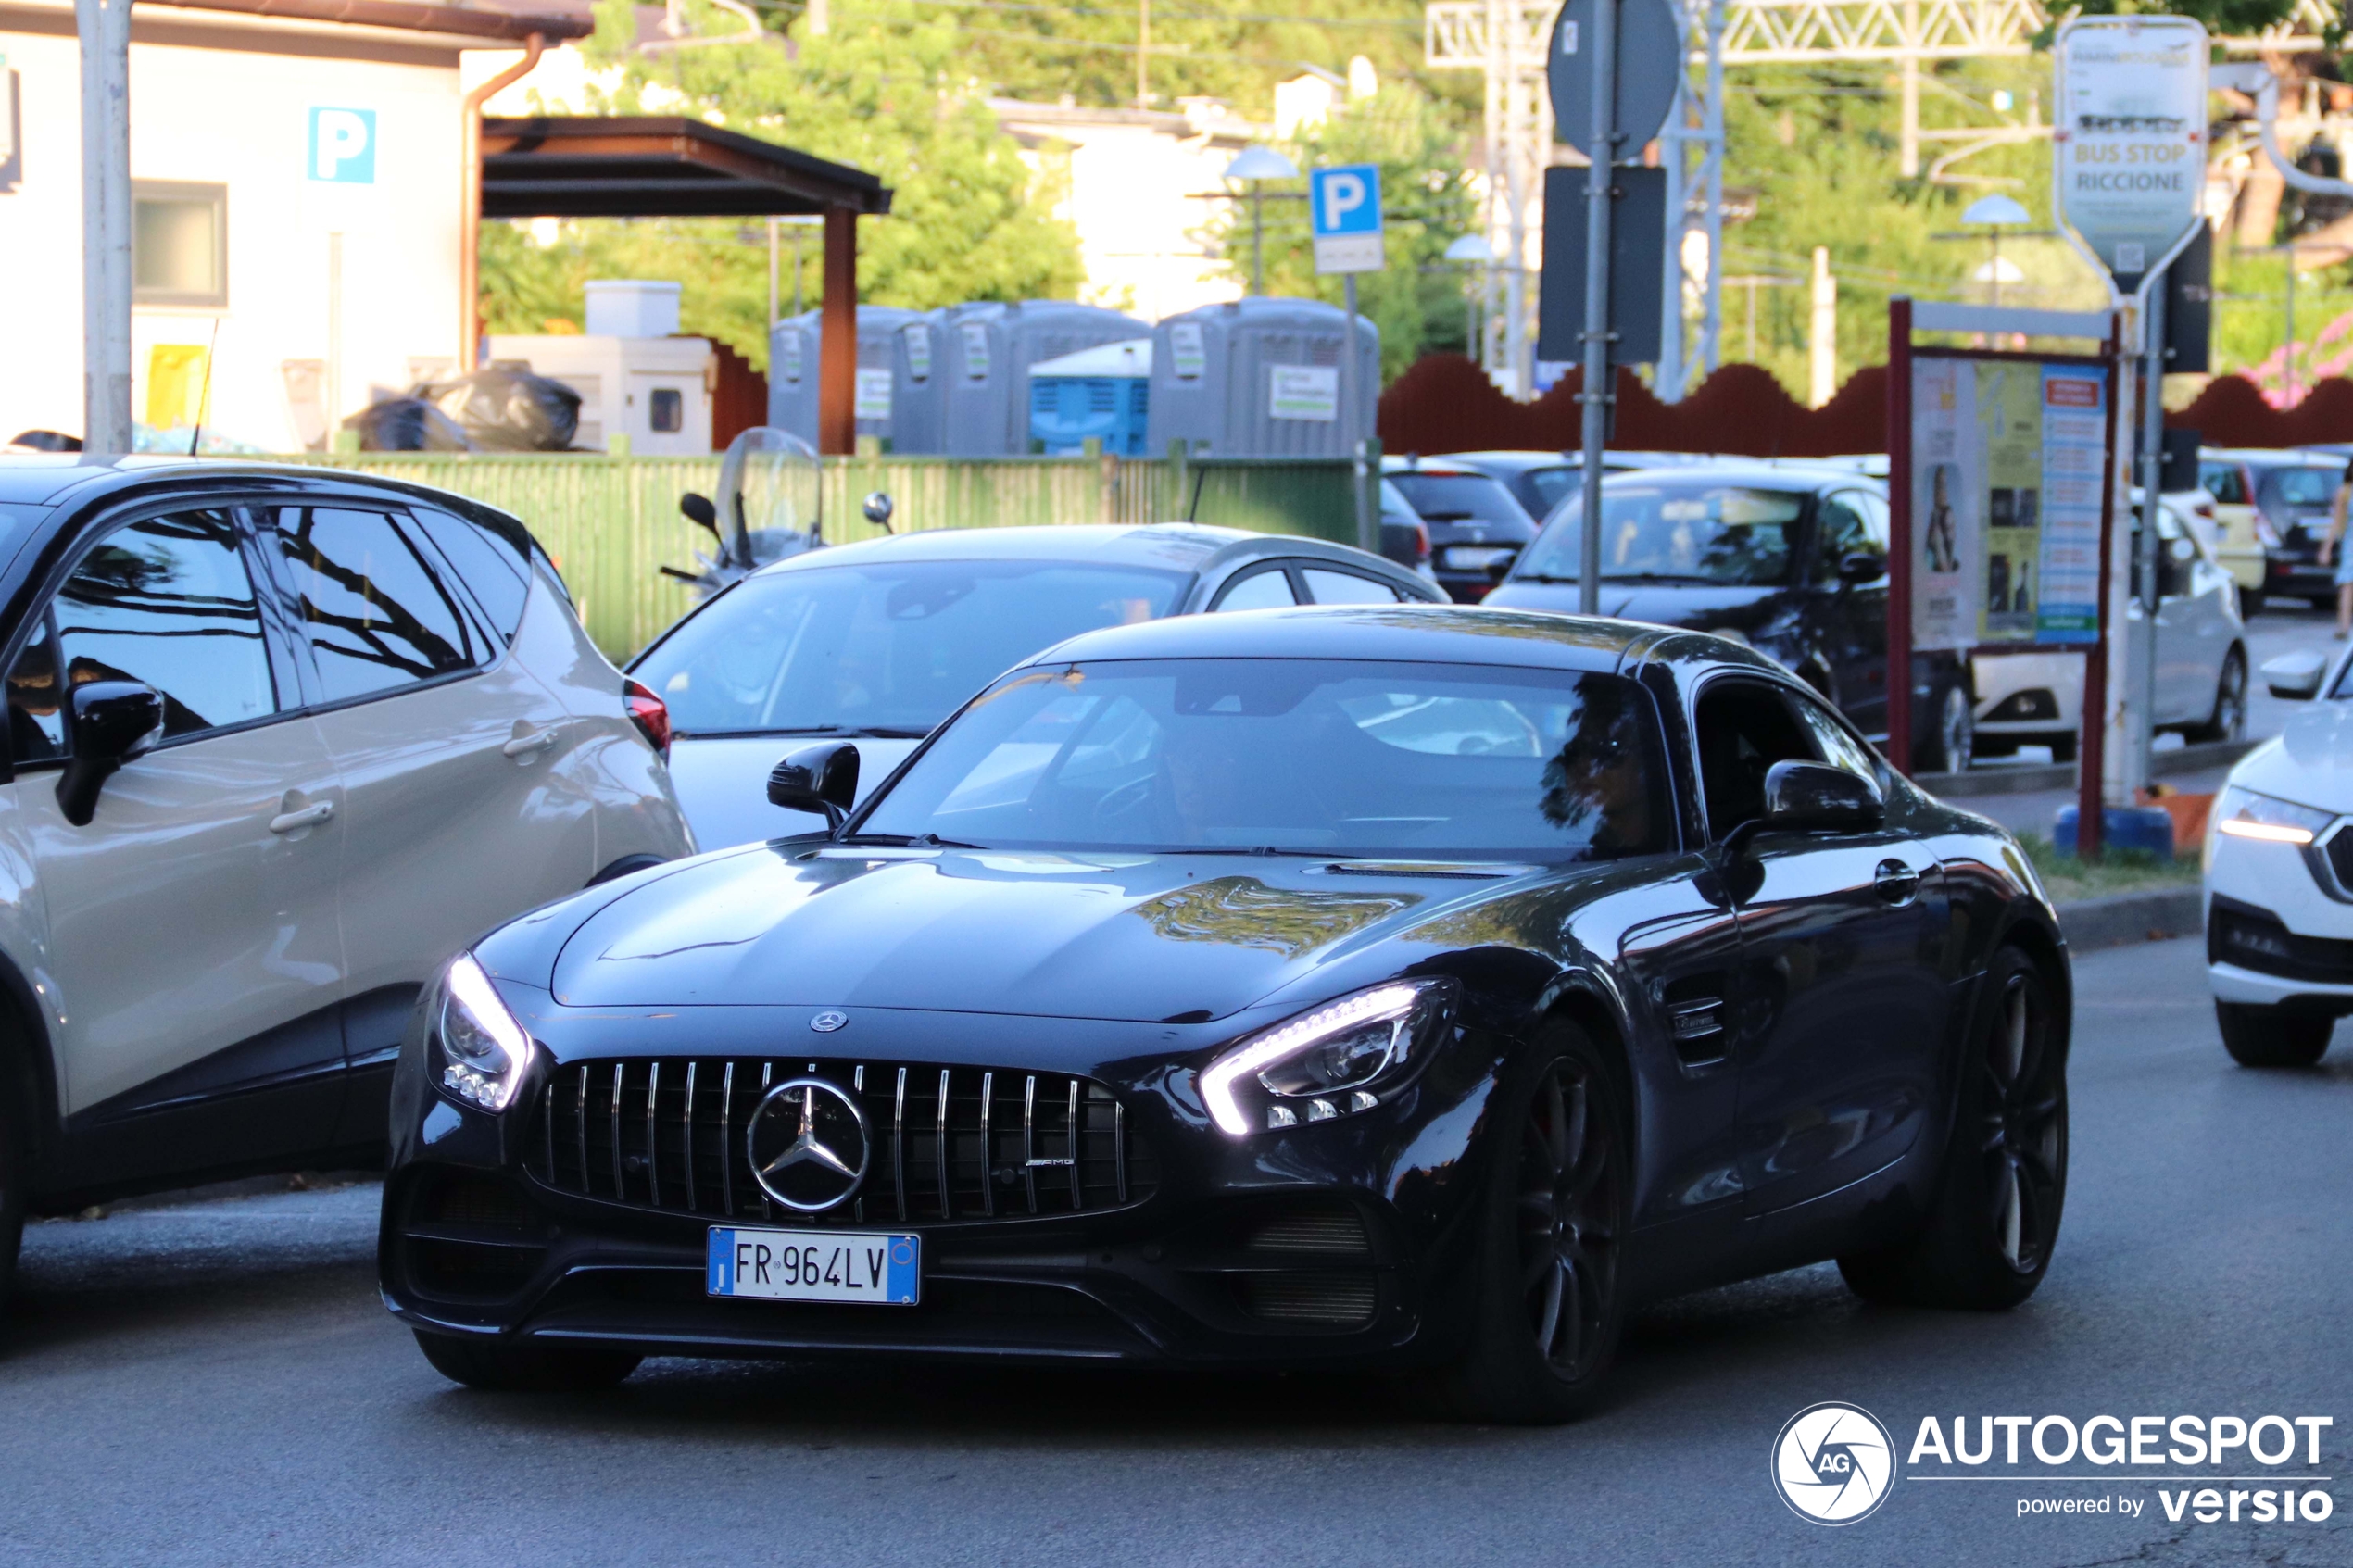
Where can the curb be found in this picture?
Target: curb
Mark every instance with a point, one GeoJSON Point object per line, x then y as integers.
{"type": "Point", "coordinates": [2124, 918]}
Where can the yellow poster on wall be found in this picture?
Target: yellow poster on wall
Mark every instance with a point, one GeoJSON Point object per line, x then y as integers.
{"type": "Point", "coordinates": [176, 382]}
{"type": "Point", "coordinates": [2009, 409]}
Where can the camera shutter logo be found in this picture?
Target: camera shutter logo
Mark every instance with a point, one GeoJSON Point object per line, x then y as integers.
{"type": "Point", "coordinates": [809, 1145]}
{"type": "Point", "coordinates": [1834, 1464]}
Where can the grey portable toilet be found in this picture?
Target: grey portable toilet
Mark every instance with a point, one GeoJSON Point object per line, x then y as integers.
{"type": "Point", "coordinates": [990, 348]}
{"type": "Point", "coordinates": [1260, 377]}
{"type": "Point", "coordinates": [919, 384]}
{"type": "Point", "coordinates": [883, 372]}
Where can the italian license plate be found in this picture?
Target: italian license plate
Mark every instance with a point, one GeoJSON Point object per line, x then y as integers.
{"type": "Point", "coordinates": [868, 1268]}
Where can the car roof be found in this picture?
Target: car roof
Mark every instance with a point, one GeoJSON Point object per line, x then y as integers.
{"type": "Point", "coordinates": [1403, 634]}
{"type": "Point", "coordinates": [2274, 456]}
{"type": "Point", "coordinates": [1764, 474]}
{"type": "Point", "coordinates": [1515, 462]}
{"type": "Point", "coordinates": [1410, 463]}
{"type": "Point", "coordinates": [1181, 545]}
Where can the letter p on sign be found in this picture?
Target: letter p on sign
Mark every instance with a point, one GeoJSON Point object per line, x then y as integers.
{"type": "Point", "coordinates": [343, 146]}
{"type": "Point", "coordinates": [1344, 205]}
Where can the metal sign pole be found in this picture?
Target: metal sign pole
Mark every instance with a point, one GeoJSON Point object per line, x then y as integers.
{"type": "Point", "coordinates": [2091, 751]}
{"type": "Point", "coordinates": [2145, 566]}
{"type": "Point", "coordinates": [1899, 534]}
{"type": "Point", "coordinates": [1596, 392]}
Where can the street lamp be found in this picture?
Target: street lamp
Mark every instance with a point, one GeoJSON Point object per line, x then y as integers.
{"type": "Point", "coordinates": [1255, 166]}
{"type": "Point", "coordinates": [1993, 212]}
{"type": "Point", "coordinates": [1472, 250]}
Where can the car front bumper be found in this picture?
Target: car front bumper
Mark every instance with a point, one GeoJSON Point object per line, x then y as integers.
{"type": "Point", "coordinates": [1331, 1243]}
{"type": "Point", "coordinates": [2278, 926]}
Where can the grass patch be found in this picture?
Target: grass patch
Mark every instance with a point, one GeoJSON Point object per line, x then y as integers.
{"type": "Point", "coordinates": [2117, 870]}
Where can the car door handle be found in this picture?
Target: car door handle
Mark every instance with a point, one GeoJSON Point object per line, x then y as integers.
{"type": "Point", "coordinates": [309, 816]}
{"type": "Point", "coordinates": [1898, 882]}
{"type": "Point", "coordinates": [529, 745]}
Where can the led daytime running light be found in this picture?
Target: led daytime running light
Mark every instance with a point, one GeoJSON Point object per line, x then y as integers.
{"type": "Point", "coordinates": [2270, 833]}
{"type": "Point", "coordinates": [480, 1081]}
{"type": "Point", "coordinates": [1217, 1081]}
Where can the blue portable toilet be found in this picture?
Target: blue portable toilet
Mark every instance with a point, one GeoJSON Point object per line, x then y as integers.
{"type": "Point", "coordinates": [900, 380]}
{"type": "Point", "coordinates": [990, 350]}
{"type": "Point", "coordinates": [1260, 377]}
{"type": "Point", "coordinates": [1102, 393]}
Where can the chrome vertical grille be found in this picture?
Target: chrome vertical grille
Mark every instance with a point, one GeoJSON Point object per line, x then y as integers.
{"type": "Point", "coordinates": [950, 1144]}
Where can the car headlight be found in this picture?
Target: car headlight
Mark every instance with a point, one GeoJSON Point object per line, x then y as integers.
{"type": "Point", "coordinates": [2242, 813]}
{"type": "Point", "coordinates": [484, 1048]}
{"type": "Point", "coordinates": [1324, 1061]}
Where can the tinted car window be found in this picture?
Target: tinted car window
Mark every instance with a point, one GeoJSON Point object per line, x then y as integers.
{"type": "Point", "coordinates": [2223, 481]}
{"type": "Point", "coordinates": [378, 614]}
{"type": "Point", "coordinates": [1837, 747]}
{"type": "Point", "coordinates": [499, 578]}
{"type": "Point", "coordinates": [36, 723]}
{"type": "Point", "coordinates": [1678, 529]}
{"type": "Point", "coordinates": [1459, 497]}
{"type": "Point", "coordinates": [890, 646]}
{"type": "Point", "coordinates": [1842, 529]}
{"type": "Point", "coordinates": [1346, 588]}
{"type": "Point", "coordinates": [1744, 728]}
{"type": "Point", "coordinates": [1260, 590]}
{"type": "Point", "coordinates": [1296, 754]}
{"type": "Point", "coordinates": [2300, 487]}
{"type": "Point", "coordinates": [169, 602]}
{"type": "Point", "coordinates": [1547, 487]}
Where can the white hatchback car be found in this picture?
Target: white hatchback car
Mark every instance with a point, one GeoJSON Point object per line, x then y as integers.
{"type": "Point", "coordinates": [281, 741]}
{"type": "Point", "coordinates": [2279, 876]}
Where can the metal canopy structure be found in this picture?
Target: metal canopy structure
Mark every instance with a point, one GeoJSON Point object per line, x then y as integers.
{"type": "Point", "coordinates": [663, 166]}
{"type": "Point", "coordinates": [669, 166]}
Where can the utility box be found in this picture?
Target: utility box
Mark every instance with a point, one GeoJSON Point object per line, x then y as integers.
{"type": "Point", "coordinates": [631, 307]}
{"type": "Point", "coordinates": [1102, 393]}
{"type": "Point", "coordinates": [900, 377]}
{"type": "Point", "coordinates": [990, 350]}
{"type": "Point", "coordinates": [656, 390]}
{"type": "Point", "coordinates": [1260, 377]}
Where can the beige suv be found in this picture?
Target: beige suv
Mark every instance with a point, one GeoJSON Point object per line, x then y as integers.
{"type": "Point", "coordinates": [281, 742]}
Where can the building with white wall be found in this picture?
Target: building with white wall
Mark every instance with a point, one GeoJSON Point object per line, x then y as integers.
{"type": "Point", "coordinates": [296, 188]}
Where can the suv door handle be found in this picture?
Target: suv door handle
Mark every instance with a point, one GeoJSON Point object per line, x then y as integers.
{"type": "Point", "coordinates": [309, 816]}
{"type": "Point", "coordinates": [529, 745]}
{"type": "Point", "coordinates": [1898, 882]}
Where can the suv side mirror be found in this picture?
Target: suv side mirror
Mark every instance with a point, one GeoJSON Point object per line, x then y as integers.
{"type": "Point", "coordinates": [817, 778]}
{"type": "Point", "coordinates": [2295, 676]}
{"type": "Point", "coordinates": [1861, 566]}
{"type": "Point", "coordinates": [697, 509]}
{"type": "Point", "coordinates": [112, 722]}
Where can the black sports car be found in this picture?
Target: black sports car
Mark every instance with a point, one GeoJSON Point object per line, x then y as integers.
{"type": "Point", "coordinates": [1401, 987]}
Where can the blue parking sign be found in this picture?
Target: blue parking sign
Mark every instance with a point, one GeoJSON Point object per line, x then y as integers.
{"type": "Point", "coordinates": [1344, 206]}
{"type": "Point", "coordinates": [343, 146]}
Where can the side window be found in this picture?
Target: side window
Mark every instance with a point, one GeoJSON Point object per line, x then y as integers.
{"type": "Point", "coordinates": [1346, 588]}
{"type": "Point", "coordinates": [36, 722]}
{"type": "Point", "coordinates": [499, 578]}
{"type": "Point", "coordinates": [168, 602]}
{"type": "Point", "coordinates": [377, 614]}
{"type": "Point", "coordinates": [1843, 528]}
{"type": "Point", "coordinates": [1838, 747]}
{"type": "Point", "coordinates": [1260, 590]}
{"type": "Point", "coordinates": [1744, 728]}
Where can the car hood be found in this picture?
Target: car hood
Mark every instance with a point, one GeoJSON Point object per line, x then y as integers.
{"type": "Point", "coordinates": [1134, 938]}
{"type": "Point", "coordinates": [723, 783]}
{"type": "Point", "coordinates": [2309, 762]}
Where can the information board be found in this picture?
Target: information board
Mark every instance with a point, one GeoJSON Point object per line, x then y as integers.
{"type": "Point", "coordinates": [2007, 463]}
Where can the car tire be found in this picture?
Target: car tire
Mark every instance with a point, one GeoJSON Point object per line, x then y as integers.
{"type": "Point", "coordinates": [2228, 722]}
{"type": "Point", "coordinates": [16, 1173]}
{"type": "Point", "coordinates": [1554, 1217]}
{"type": "Point", "coordinates": [1995, 1218]}
{"type": "Point", "coordinates": [2062, 748]}
{"type": "Point", "coordinates": [505, 1367]}
{"type": "Point", "coordinates": [1954, 740]}
{"type": "Point", "coordinates": [2270, 1037]}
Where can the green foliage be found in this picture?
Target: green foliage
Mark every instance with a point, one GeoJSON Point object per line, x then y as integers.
{"type": "Point", "coordinates": [2236, 18]}
{"type": "Point", "coordinates": [1426, 200]}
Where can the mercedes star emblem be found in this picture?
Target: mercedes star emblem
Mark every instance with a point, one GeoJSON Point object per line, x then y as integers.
{"type": "Point", "coordinates": [809, 1145]}
{"type": "Point", "coordinates": [827, 1022]}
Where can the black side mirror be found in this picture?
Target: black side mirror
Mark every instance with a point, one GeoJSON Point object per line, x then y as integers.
{"type": "Point", "coordinates": [697, 509]}
{"type": "Point", "coordinates": [817, 778]}
{"type": "Point", "coordinates": [2295, 677]}
{"type": "Point", "coordinates": [877, 509]}
{"type": "Point", "coordinates": [1862, 567]}
{"type": "Point", "coordinates": [112, 722]}
{"type": "Point", "coordinates": [1816, 798]}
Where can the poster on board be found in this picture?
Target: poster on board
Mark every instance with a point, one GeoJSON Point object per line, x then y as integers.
{"type": "Point", "coordinates": [2007, 464]}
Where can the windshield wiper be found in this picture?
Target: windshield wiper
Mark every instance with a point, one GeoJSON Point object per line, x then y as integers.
{"type": "Point", "coordinates": [918, 841]}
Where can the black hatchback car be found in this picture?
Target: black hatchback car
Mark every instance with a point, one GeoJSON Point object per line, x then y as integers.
{"type": "Point", "coordinates": [1790, 559]}
{"type": "Point", "coordinates": [1475, 525]}
{"type": "Point", "coordinates": [1399, 988]}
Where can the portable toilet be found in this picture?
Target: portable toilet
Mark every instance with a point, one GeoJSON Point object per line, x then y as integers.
{"type": "Point", "coordinates": [990, 350]}
{"type": "Point", "coordinates": [893, 402]}
{"type": "Point", "coordinates": [1260, 377]}
{"type": "Point", "coordinates": [1102, 393]}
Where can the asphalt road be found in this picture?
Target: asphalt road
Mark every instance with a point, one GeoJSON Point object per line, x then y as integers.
{"type": "Point", "coordinates": [217, 1382]}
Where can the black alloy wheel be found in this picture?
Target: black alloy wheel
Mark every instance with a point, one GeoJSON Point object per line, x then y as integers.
{"type": "Point", "coordinates": [1551, 1302]}
{"type": "Point", "coordinates": [1995, 1221]}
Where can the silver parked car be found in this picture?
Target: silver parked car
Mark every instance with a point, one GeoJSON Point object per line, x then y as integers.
{"type": "Point", "coordinates": [880, 641]}
{"type": "Point", "coordinates": [281, 742]}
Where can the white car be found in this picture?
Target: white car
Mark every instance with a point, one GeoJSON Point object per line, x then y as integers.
{"type": "Point", "coordinates": [2037, 699]}
{"type": "Point", "coordinates": [2279, 876]}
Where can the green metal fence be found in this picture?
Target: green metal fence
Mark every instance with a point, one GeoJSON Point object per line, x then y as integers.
{"type": "Point", "coordinates": [613, 523]}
